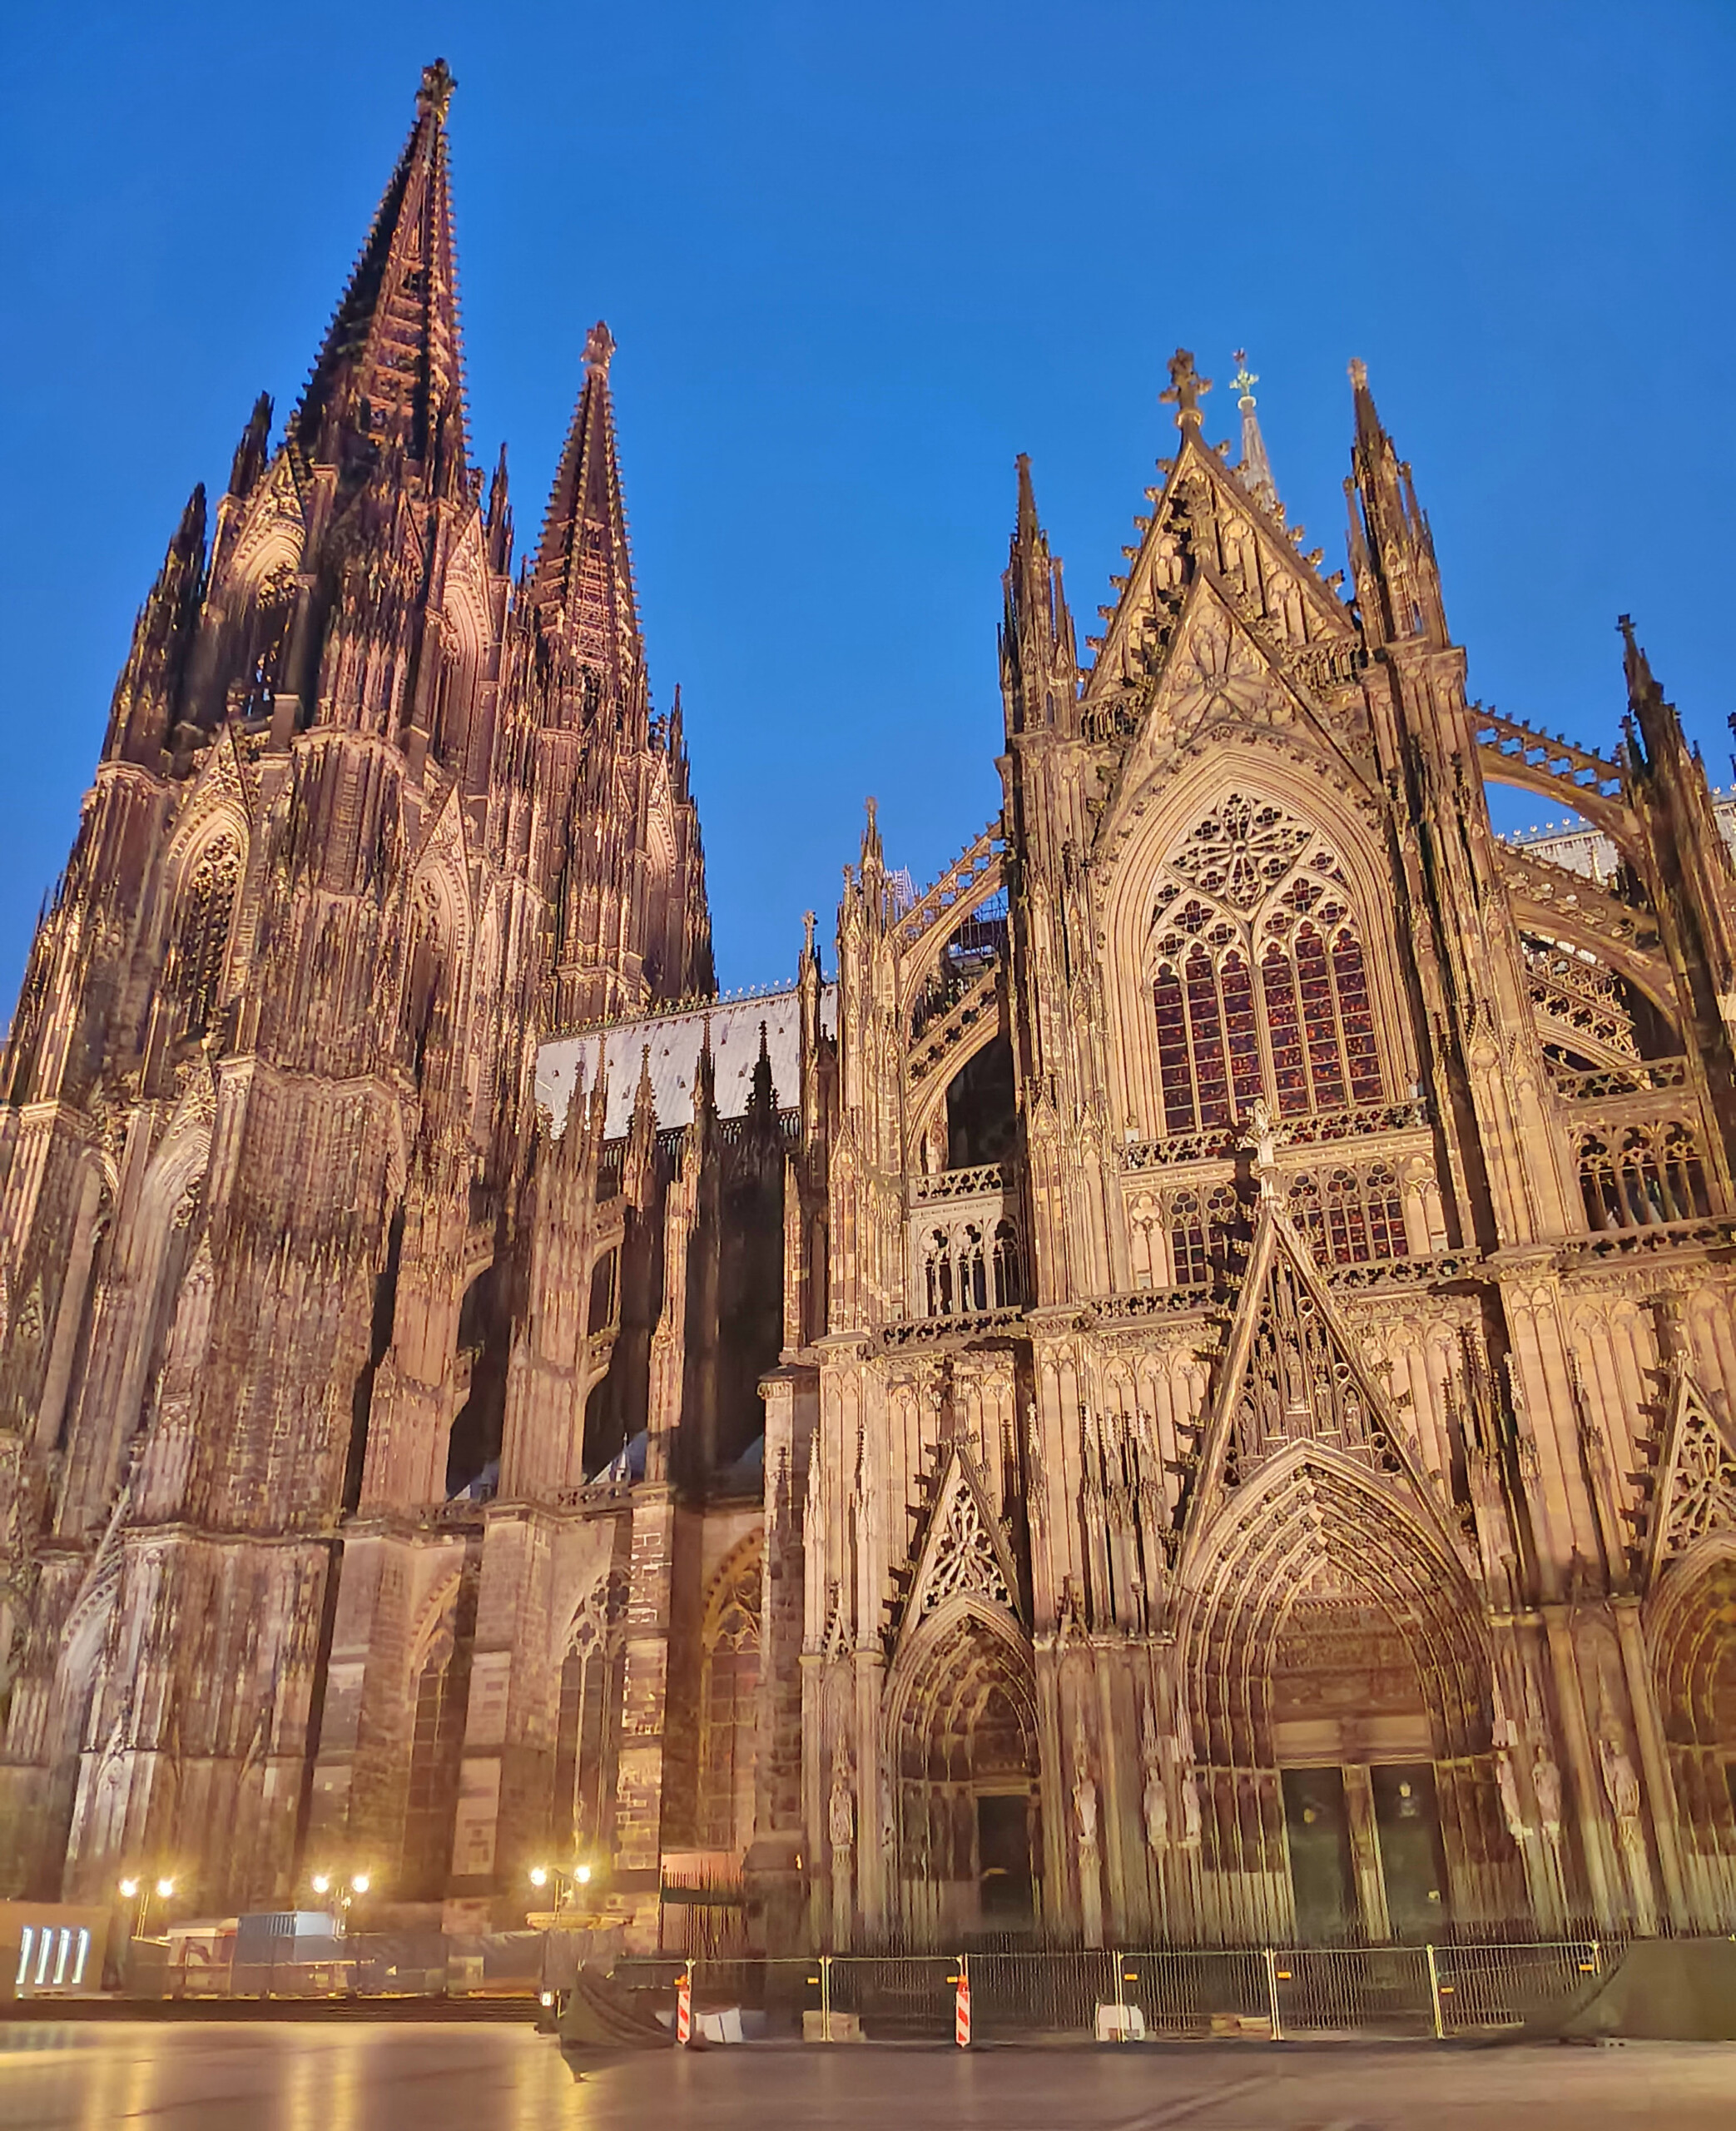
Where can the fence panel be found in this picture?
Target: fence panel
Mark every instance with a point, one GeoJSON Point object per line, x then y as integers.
{"type": "Point", "coordinates": [1484, 1988]}
{"type": "Point", "coordinates": [1014, 1994]}
{"type": "Point", "coordinates": [1182, 1992]}
{"type": "Point", "coordinates": [1359, 1989]}
{"type": "Point", "coordinates": [902, 1997]}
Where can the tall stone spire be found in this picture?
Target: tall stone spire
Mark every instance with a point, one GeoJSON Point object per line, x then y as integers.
{"type": "Point", "coordinates": [147, 694]}
{"type": "Point", "coordinates": [392, 364]}
{"type": "Point", "coordinates": [583, 584]}
{"type": "Point", "coordinates": [1256, 468]}
{"type": "Point", "coordinates": [1392, 550]}
{"type": "Point", "coordinates": [1039, 664]}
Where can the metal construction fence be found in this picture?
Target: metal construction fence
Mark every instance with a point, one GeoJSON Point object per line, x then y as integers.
{"type": "Point", "coordinates": [1267, 1992]}
{"type": "Point", "coordinates": [1257, 1992]}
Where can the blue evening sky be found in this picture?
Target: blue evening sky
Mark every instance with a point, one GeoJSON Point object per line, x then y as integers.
{"type": "Point", "coordinates": [856, 259]}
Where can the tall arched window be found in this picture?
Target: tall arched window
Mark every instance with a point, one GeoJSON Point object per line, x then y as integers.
{"type": "Point", "coordinates": [587, 1726]}
{"type": "Point", "coordinates": [437, 1739]}
{"type": "Point", "coordinates": [202, 927]}
{"type": "Point", "coordinates": [729, 1679]}
{"type": "Point", "coordinates": [1258, 980]}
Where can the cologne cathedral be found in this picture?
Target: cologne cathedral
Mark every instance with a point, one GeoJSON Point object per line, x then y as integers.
{"type": "Point", "coordinates": [1174, 1387]}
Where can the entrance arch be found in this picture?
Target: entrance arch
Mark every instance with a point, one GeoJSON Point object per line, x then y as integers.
{"type": "Point", "coordinates": [1338, 1692]}
{"type": "Point", "coordinates": [1693, 1634]}
{"type": "Point", "coordinates": [966, 1839]}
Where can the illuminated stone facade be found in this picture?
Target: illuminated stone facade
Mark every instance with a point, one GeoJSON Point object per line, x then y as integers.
{"type": "Point", "coordinates": [1184, 1394]}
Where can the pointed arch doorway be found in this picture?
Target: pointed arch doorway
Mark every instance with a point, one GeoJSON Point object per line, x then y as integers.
{"type": "Point", "coordinates": [964, 1843]}
{"type": "Point", "coordinates": [1343, 1692]}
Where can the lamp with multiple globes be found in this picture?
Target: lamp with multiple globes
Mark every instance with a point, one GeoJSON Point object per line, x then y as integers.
{"type": "Point", "coordinates": [566, 1881]}
{"type": "Point", "coordinates": [338, 1893]}
{"type": "Point", "coordinates": [134, 1888]}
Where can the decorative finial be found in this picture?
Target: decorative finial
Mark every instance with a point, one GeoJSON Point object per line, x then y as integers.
{"type": "Point", "coordinates": [1358, 373]}
{"type": "Point", "coordinates": [1245, 380]}
{"type": "Point", "coordinates": [600, 348]}
{"type": "Point", "coordinates": [435, 93]}
{"type": "Point", "coordinates": [1186, 388]}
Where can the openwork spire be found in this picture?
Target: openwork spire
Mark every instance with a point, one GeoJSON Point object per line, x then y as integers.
{"type": "Point", "coordinates": [392, 365]}
{"type": "Point", "coordinates": [1255, 469]}
{"type": "Point", "coordinates": [1392, 550]}
{"type": "Point", "coordinates": [1039, 674]}
{"type": "Point", "coordinates": [584, 581]}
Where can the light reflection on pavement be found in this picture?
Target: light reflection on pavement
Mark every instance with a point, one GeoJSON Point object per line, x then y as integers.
{"type": "Point", "coordinates": [284, 2075]}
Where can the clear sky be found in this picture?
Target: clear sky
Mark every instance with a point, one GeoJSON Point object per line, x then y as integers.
{"type": "Point", "coordinates": [856, 258]}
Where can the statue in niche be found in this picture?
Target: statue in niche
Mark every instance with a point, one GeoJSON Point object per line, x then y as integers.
{"type": "Point", "coordinates": [1621, 1787]}
{"type": "Point", "coordinates": [1546, 1789]}
{"type": "Point", "coordinates": [1155, 1798]}
{"type": "Point", "coordinates": [841, 1812]}
{"type": "Point", "coordinates": [1085, 1793]}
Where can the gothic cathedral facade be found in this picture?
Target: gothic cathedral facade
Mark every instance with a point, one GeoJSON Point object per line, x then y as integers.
{"type": "Point", "coordinates": [1186, 1394]}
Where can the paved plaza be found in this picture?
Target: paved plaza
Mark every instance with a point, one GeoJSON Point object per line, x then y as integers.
{"type": "Point", "coordinates": [308, 2076]}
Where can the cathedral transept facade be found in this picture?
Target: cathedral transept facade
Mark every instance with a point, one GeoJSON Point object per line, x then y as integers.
{"type": "Point", "coordinates": [1174, 1386]}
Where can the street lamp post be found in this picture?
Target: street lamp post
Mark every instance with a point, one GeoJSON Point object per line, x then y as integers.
{"type": "Point", "coordinates": [338, 1893]}
{"type": "Point", "coordinates": [138, 1889]}
{"type": "Point", "coordinates": [567, 1883]}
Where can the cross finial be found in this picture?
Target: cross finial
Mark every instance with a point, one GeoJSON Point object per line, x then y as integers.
{"type": "Point", "coordinates": [600, 348]}
{"type": "Point", "coordinates": [1186, 388]}
{"type": "Point", "coordinates": [1245, 379]}
{"type": "Point", "coordinates": [435, 93]}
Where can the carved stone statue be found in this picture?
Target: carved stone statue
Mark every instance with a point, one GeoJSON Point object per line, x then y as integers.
{"type": "Point", "coordinates": [1157, 1808]}
{"type": "Point", "coordinates": [1506, 1777]}
{"type": "Point", "coordinates": [1156, 1799]}
{"type": "Point", "coordinates": [1084, 1794]}
{"type": "Point", "coordinates": [841, 1813]}
{"type": "Point", "coordinates": [1546, 1789]}
{"type": "Point", "coordinates": [1621, 1787]}
{"type": "Point", "coordinates": [1191, 1817]}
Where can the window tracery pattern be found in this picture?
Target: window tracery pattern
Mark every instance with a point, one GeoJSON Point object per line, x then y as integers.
{"type": "Point", "coordinates": [1201, 1221]}
{"type": "Point", "coordinates": [1351, 1216]}
{"type": "Point", "coordinates": [1259, 984]}
{"type": "Point", "coordinates": [966, 1268]}
{"type": "Point", "coordinates": [1636, 1176]}
{"type": "Point", "coordinates": [729, 1679]}
{"type": "Point", "coordinates": [587, 1727]}
{"type": "Point", "coordinates": [201, 936]}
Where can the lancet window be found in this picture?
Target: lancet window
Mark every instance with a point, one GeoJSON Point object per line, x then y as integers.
{"type": "Point", "coordinates": [201, 939]}
{"type": "Point", "coordinates": [1259, 982]}
{"type": "Point", "coordinates": [1636, 1176]}
{"type": "Point", "coordinates": [967, 1267]}
{"type": "Point", "coordinates": [1351, 1217]}
{"type": "Point", "coordinates": [586, 1726]}
{"type": "Point", "coordinates": [437, 1738]}
{"type": "Point", "coordinates": [728, 1684]}
{"type": "Point", "coordinates": [1200, 1224]}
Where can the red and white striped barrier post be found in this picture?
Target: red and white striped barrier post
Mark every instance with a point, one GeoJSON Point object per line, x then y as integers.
{"type": "Point", "coordinates": [961, 2009]}
{"type": "Point", "coordinates": [684, 2007]}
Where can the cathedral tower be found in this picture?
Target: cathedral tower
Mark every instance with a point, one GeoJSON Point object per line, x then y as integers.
{"type": "Point", "coordinates": [365, 816]}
